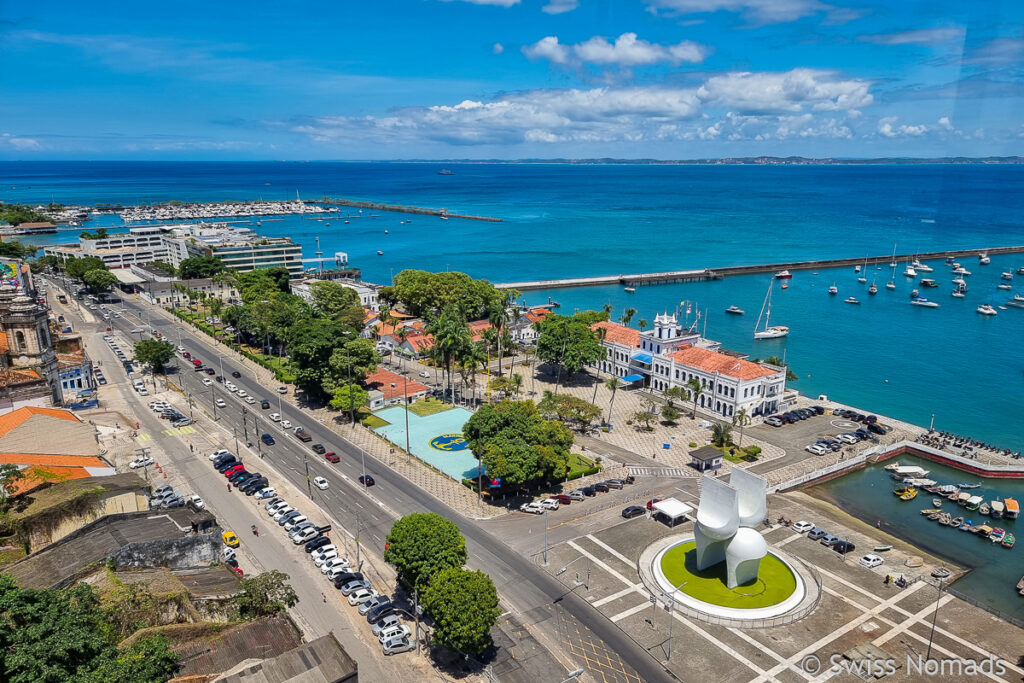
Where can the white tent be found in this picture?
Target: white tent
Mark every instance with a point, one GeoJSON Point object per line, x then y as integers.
{"type": "Point", "coordinates": [673, 509]}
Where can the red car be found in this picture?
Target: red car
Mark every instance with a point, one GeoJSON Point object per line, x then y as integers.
{"type": "Point", "coordinates": [231, 470]}
{"type": "Point", "coordinates": [562, 499]}
{"type": "Point", "coordinates": [187, 354]}
{"type": "Point", "coordinates": [330, 456]}
{"type": "Point", "coordinates": [651, 502]}
{"type": "Point", "coordinates": [196, 362]}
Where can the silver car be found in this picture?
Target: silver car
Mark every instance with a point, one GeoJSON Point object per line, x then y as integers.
{"type": "Point", "coordinates": [396, 645]}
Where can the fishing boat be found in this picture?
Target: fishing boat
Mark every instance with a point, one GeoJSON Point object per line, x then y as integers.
{"type": "Point", "coordinates": [909, 271]}
{"type": "Point", "coordinates": [983, 530]}
{"type": "Point", "coordinates": [928, 282]}
{"type": "Point", "coordinates": [882, 548]}
{"type": "Point", "coordinates": [953, 497]}
{"type": "Point", "coordinates": [973, 503]}
{"type": "Point", "coordinates": [996, 507]}
{"type": "Point", "coordinates": [735, 310]}
{"type": "Point", "coordinates": [947, 489]}
{"type": "Point", "coordinates": [937, 502]}
{"type": "Point", "coordinates": [1008, 541]}
{"type": "Point", "coordinates": [1012, 508]}
{"type": "Point", "coordinates": [986, 309]}
{"type": "Point", "coordinates": [962, 498]}
{"type": "Point", "coordinates": [966, 526]}
{"type": "Point", "coordinates": [945, 519]}
{"type": "Point", "coordinates": [921, 301]}
{"type": "Point", "coordinates": [783, 275]}
{"type": "Point", "coordinates": [930, 511]}
{"type": "Point", "coordinates": [911, 494]}
{"type": "Point", "coordinates": [957, 521]}
{"type": "Point", "coordinates": [969, 486]}
{"type": "Point", "coordinates": [934, 516]}
{"type": "Point", "coordinates": [851, 300]}
{"type": "Point", "coordinates": [833, 290]}
{"type": "Point", "coordinates": [984, 260]}
{"type": "Point", "coordinates": [996, 535]}
{"type": "Point", "coordinates": [769, 331]}
{"type": "Point", "coordinates": [985, 509]}
{"type": "Point", "coordinates": [942, 573]}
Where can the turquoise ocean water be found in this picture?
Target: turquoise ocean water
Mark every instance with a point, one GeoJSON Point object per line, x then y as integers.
{"type": "Point", "coordinates": [573, 220]}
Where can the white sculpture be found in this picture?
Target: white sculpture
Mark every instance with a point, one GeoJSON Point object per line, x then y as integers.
{"type": "Point", "coordinates": [723, 530]}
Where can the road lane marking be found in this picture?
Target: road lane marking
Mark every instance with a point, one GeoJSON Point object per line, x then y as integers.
{"type": "Point", "coordinates": [631, 611]}
{"type": "Point", "coordinates": [613, 551]}
{"type": "Point", "coordinates": [613, 596]}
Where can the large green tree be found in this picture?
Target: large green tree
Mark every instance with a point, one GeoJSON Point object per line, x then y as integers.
{"type": "Point", "coordinates": [149, 659]}
{"type": "Point", "coordinates": [349, 363]}
{"type": "Point", "coordinates": [99, 280]}
{"type": "Point", "coordinates": [311, 341]}
{"type": "Point", "coordinates": [331, 299]}
{"type": "Point", "coordinates": [80, 266]}
{"type": "Point", "coordinates": [349, 399]}
{"type": "Point", "coordinates": [200, 267]}
{"type": "Point", "coordinates": [15, 249]}
{"type": "Point", "coordinates": [568, 409]}
{"type": "Point", "coordinates": [423, 293]}
{"type": "Point", "coordinates": [265, 594]}
{"type": "Point", "coordinates": [16, 214]}
{"type": "Point", "coordinates": [567, 342]}
{"type": "Point", "coordinates": [516, 444]}
{"type": "Point", "coordinates": [154, 353]}
{"type": "Point", "coordinates": [422, 544]}
{"type": "Point", "coordinates": [464, 607]}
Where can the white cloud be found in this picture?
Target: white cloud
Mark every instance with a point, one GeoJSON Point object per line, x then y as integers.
{"type": "Point", "coordinates": [945, 124]}
{"type": "Point", "coordinates": [560, 6]}
{"type": "Point", "coordinates": [497, 48]}
{"type": "Point", "coordinates": [922, 36]}
{"type": "Point", "coordinates": [997, 51]}
{"type": "Point", "coordinates": [548, 48]}
{"type": "Point", "coordinates": [19, 142]}
{"type": "Point", "coordinates": [791, 91]}
{"type": "Point", "coordinates": [496, 3]}
{"type": "Point", "coordinates": [627, 51]}
{"type": "Point", "coordinates": [756, 11]}
{"type": "Point", "coordinates": [888, 128]}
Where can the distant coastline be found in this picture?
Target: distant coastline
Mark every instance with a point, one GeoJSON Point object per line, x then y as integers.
{"type": "Point", "coordinates": [731, 161]}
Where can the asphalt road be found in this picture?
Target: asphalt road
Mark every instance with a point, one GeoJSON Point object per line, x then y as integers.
{"type": "Point", "coordinates": [522, 586]}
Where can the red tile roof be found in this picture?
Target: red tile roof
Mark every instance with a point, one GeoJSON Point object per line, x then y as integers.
{"type": "Point", "coordinates": [711, 361]}
{"type": "Point", "coordinates": [34, 459]}
{"type": "Point", "coordinates": [419, 342]}
{"type": "Point", "coordinates": [34, 476]}
{"type": "Point", "coordinates": [536, 315]}
{"type": "Point", "coordinates": [16, 417]}
{"type": "Point", "coordinates": [393, 385]}
{"type": "Point", "coordinates": [619, 334]}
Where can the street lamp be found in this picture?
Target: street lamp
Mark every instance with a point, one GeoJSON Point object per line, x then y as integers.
{"type": "Point", "coordinates": [577, 582]}
{"type": "Point", "coordinates": [935, 615]}
{"type": "Point", "coordinates": [573, 675]}
{"type": "Point", "coordinates": [672, 617]}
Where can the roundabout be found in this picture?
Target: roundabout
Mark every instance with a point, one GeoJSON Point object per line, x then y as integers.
{"type": "Point", "coordinates": [775, 582]}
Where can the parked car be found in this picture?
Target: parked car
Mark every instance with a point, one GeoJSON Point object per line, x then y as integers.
{"type": "Point", "coordinates": [829, 540]}
{"type": "Point", "coordinates": [871, 561]}
{"type": "Point", "coordinates": [305, 535]}
{"type": "Point", "coordinates": [589, 490]}
{"type": "Point", "coordinates": [282, 390]}
{"type": "Point", "coordinates": [548, 504]}
{"type": "Point", "coordinates": [577, 495]}
{"type": "Point", "coordinates": [397, 645]}
{"type": "Point", "coordinates": [614, 483]}
{"type": "Point", "coordinates": [275, 417]}
{"type": "Point", "coordinates": [354, 585]}
{"type": "Point", "coordinates": [633, 511]}
{"type": "Point", "coordinates": [196, 502]}
{"type": "Point", "coordinates": [816, 449]}
{"type": "Point", "coordinates": [360, 596]}
{"type": "Point", "coordinates": [219, 452]}
{"type": "Point", "coordinates": [282, 511]}
{"type": "Point", "coordinates": [876, 428]}
{"type": "Point", "coordinates": [283, 519]}
{"type": "Point", "coordinates": [379, 601]}
{"type": "Point", "coordinates": [141, 461]}
{"type": "Point", "coordinates": [294, 522]}
{"type": "Point", "coordinates": [802, 527]}
{"type": "Point", "coordinates": [562, 499]}
{"type": "Point", "coordinates": [844, 547]}
{"type": "Point", "coordinates": [602, 487]}
{"type": "Point", "coordinates": [651, 502]}
{"type": "Point", "coordinates": [325, 554]}
{"type": "Point", "coordinates": [230, 540]}
{"type": "Point", "coordinates": [817, 533]}
{"type": "Point", "coordinates": [773, 421]}
{"type": "Point", "coordinates": [345, 578]}
{"type": "Point", "coordinates": [386, 623]}
{"type": "Point", "coordinates": [380, 611]}
{"type": "Point", "coordinates": [316, 543]}
{"type": "Point", "coordinates": [532, 508]}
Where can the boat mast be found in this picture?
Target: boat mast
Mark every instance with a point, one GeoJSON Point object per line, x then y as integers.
{"type": "Point", "coordinates": [766, 304]}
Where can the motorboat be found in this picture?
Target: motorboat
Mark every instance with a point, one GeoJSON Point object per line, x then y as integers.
{"type": "Point", "coordinates": [856, 269]}
{"type": "Point", "coordinates": [985, 509]}
{"type": "Point", "coordinates": [833, 289]}
{"type": "Point", "coordinates": [962, 498]}
{"type": "Point", "coordinates": [890, 285]}
{"type": "Point", "coordinates": [1016, 302]}
{"type": "Point", "coordinates": [967, 525]}
{"type": "Point", "coordinates": [937, 502]}
{"type": "Point", "coordinates": [984, 260]}
{"type": "Point", "coordinates": [1020, 271]}
{"type": "Point", "coordinates": [969, 486]}
{"type": "Point", "coordinates": [735, 310]}
{"type": "Point", "coordinates": [982, 530]}
{"type": "Point", "coordinates": [1008, 540]}
{"type": "Point", "coordinates": [974, 502]}
{"type": "Point", "coordinates": [928, 282]}
{"type": "Point", "coordinates": [1007, 275]}
{"type": "Point", "coordinates": [957, 521]}
{"type": "Point", "coordinates": [909, 494]}
{"type": "Point", "coordinates": [902, 472]}
{"type": "Point", "coordinates": [769, 331]}
{"type": "Point", "coordinates": [997, 507]}
{"type": "Point", "coordinates": [862, 279]}
{"type": "Point", "coordinates": [851, 300]}
{"type": "Point", "coordinates": [959, 282]}
{"type": "Point", "coordinates": [909, 271]}
{"type": "Point", "coordinates": [920, 301]}
{"type": "Point", "coordinates": [873, 289]}
{"type": "Point", "coordinates": [1004, 285]}
{"type": "Point", "coordinates": [942, 573]}
{"type": "Point", "coordinates": [380, 253]}
{"type": "Point", "coordinates": [629, 290]}
{"type": "Point", "coordinates": [919, 482]}
{"type": "Point", "coordinates": [958, 294]}
{"type": "Point", "coordinates": [961, 271]}
{"type": "Point", "coordinates": [986, 309]}
{"type": "Point", "coordinates": [922, 267]}
{"type": "Point", "coordinates": [996, 535]}
{"type": "Point", "coordinates": [783, 275]}
{"type": "Point", "coordinates": [914, 293]}
{"type": "Point", "coordinates": [1012, 508]}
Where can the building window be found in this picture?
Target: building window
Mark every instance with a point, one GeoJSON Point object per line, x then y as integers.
{"type": "Point", "coordinates": [19, 337]}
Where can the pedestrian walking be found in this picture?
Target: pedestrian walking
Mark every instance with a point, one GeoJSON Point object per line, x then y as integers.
{"type": "Point", "coordinates": [324, 596]}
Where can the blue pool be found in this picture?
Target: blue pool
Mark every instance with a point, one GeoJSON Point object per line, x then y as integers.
{"type": "Point", "coordinates": [435, 439]}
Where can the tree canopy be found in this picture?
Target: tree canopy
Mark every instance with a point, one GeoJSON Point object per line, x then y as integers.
{"type": "Point", "coordinates": [16, 214]}
{"type": "Point", "coordinates": [422, 544]}
{"type": "Point", "coordinates": [351, 362]}
{"type": "Point", "coordinates": [349, 398]}
{"type": "Point", "coordinates": [200, 266]}
{"type": "Point", "coordinates": [568, 409]}
{"type": "Point", "coordinates": [516, 444]}
{"type": "Point", "coordinates": [424, 293]}
{"type": "Point", "coordinates": [311, 341]}
{"type": "Point", "coordinates": [265, 594]}
{"type": "Point", "coordinates": [334, 300]}
{"type": "Point", "coordinates": [15, 249]}
{"type": "Point", "coordinates": [99, 280]}
{"type": "Point", "coordinates": [568, 342]}
{"type": "Point", "coordinates": [464, 607]}
{"type": "Point", "coordinates": [80, 266]}
{"type": "Point", "coordinates": [154, 353]}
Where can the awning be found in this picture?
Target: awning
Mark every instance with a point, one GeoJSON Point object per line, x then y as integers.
{"type": "Point", "coordinates": [672, 508]}
{"type": "Point", "coordinates": [632, 378]}
{"type": "Point", "coordinates": [126, 276]}
{"type": "Point", "coordinates": [642, 357]}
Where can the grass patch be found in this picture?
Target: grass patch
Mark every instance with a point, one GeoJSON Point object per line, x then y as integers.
{"type": "Point", "coordinates": [578, 463]}
{"type": "Point", "coordinates": [429, 406]}
{"type": "Point", "coordinates": [373, 422]}
{"type": "Point", "coordinates": [775, 581]}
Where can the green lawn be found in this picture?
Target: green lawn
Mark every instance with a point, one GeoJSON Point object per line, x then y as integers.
{"type": "Point", "coordinates": [429, 406]}
{"type": "Point", "coordinates": [774, 584]}
{"type": "Point", "coordinates": [577, 463]}
{"type": "Point", "coordinates": [373, 422]}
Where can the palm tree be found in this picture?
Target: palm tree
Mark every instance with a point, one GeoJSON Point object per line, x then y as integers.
{"type": "Point", "coordinates": [607, 309]}
{"type": "Point", "coordinates": [740, 419]}
{"type": "Point", "coordinates": [451, 337]}
{"type": "Point", "coordinates": [693, 385]}
{"type": "Point", "coordinates": [613, 384]}
{"type": "Point", "coordinates": [627, 315]}
{"type": "Point", "coordinates": [721, 434]}
{"type": "Point", "coordinates": [641, 323]}
{"type": "Point", "coordinates": [515, 383]}
{"type": "Point", "coordinates": [602, 332]}
{"type": "Point", "coordinates": [497, 315]}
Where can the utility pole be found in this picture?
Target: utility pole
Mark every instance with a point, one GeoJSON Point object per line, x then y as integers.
{"type": "Point", "coordinates": [672, 617]}
{"type": "Point", "coordinates": [405, 388]}
{"type": "Point", "coordinates": [234, 433]}
{"type": "Point", "coordinates": [359, 531]}
{"type": "Point", "coordinates": [935, 615]}
{"type": "Point", "coordinates": [309, 485]}
{"type": "Point", "coordinates": [545, 544]}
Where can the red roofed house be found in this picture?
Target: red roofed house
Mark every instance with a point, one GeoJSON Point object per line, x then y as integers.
{"type": "Point", "coordinates": [523, 329]}
{"type": "Point", "coordinates": [668, 356]}
{"type": "Point", "coordinates": [388, 388]}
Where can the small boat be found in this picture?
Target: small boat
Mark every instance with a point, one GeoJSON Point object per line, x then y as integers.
{"type": "Point", "coordinates": [914, 561]}
{"type": "Point", "coordinates": [783, 275]}
{"type": "Point", "coordinates": [898, 471]}
{"type": "Point", "coordinates": [986, 309]}
{"type": "Point", "coordinates": [629, 290]}
{"type": "Point", "coordinates": [1017, 301]}
{"type": "Point", "coordinates": [945, 519]}
{"type": "Point", "coordinates": [833, 289]}
{"type": "Point", "coordinates": [1004, 286]}
{"type": "Point", "coordinates": [445, 171]}
{"type": "Point", "coordinates": [890, 285]}
{"type": "Point", "coordinates": [960, 282]}
{"type": "Point", "coordinates": [984, 260]}
{"type": "Point", "coordinates": [953, 497]}
{"type": "Point", "coordinates": [784, 286]}
{"type": "Point", "coordinates": [735, 310]}
{"type": "Point", "coordinates": [380, 253]}
{"type": "Point", "coordinates": [984, 509]}
{"type": "Point", "coordinates": [930, 511]}
{"type": "Point", "coordinates": [769, 331]}
{"type": "Point", "coordinates": [873, 289]}
{"type": "Point", "coordinates": [958, 294]}
{"type": "Point", "coordinates": [1012, 508]}
{"type": "Point", "coordinates": [957, 521]}
{"type": "Point", "coordinates": [911, 494]}
{"type": "Point", "coordinates": [967, 525]}
{"type": "Point", "coordinates": [909, 271]}
{"type": "Point", "coordinates": [856, 269]}
{"type": "Point", "coordinates": [996, 535]}
{"type": "Point", "coordinates": [947, 489]}
{"type": "Point", "coordinates": [914, 293]}
{"type": "Point", "coordinates": [969, 486]}
{"type": "Point", "coordinates": [1020, 271]}
{"type": "Point", "coordinates": [385, 232]}
{"type": "Point", "coordinates": [974, 502]}
{"type": "Point", "coordinates": [937, 502]}
{"type": "Point", "coordinates": [882, 548]}
{"type": "Point", "coordinates": [851, 300]}
{"type": "Point", "coordinates": [922, 267]}
{"type": "Point", "coordinates": [1008, 541]}
{"type": "Point", "coordinates": [934, 516]}
{"type": "Point", "coordinates": [997, 507]}
{"type": "Point", "coordinates": [921, 301]}
{"type": "Point", "coordinates": [862, 279]}
{"type": "Point", "coordinates": [942, 573]}
{"type": "Point", "coordinates": [962, 498]}
{"type": "Point", "coordinates": [950, 259]}
{"type": "Point", "coordinates": [1020, 586]}
{"type": "Point", "coordinates": [961, 271]}
{"type": "Point", "coordinates": [928, 282]}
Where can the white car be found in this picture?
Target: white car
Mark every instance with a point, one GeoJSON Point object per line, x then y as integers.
{"type": "Point", "coordinates": [802, 527]}
{"type": "Point", "coordinates": [307, 534]}
{"type": "Point", "coordinates": [386, 623]}
{"type": "Point", "coordinates": [248, 399]}
{"type": "Point", "coordinates": [354, 585]}
{"type": "Point", "coordinates": [207, 382]}
{"type": "Point", "coordinates": [294, 522]}
{"type": "Point", "coordinates": [362, 595]}
{"type": "Point", "coordinates": [532, 508]}
{"type": "Point", "coordinates": [268, 492]}
{"type": "Point", "coordinates": [281, 512]}
{"type": "Point", "coordinates": [229, 553]}
{"type": "Point", "coordinates": [397, 645]}
{"type": "Point", "coordinates": [319, 560]}
{"type": "Point", "coordinates": [181, 349]}
{"type": "Point", "coordinates": [282, 390]}
{"type": "Point", "coordinates": [275, 417]}
{"type": "Point", "coordinates": [321, 483]}
{"type": "Point", "coordinates": [424, 374]}
{"type": "Point", "coordinates": [219, 452]}
{"type": "Point", "coordinates": [549, 504]}
{"type": "Point", "coordinates": [871, 561]}
{"type": "Point", "coordinates": [220, 403]}
{"type": "Point", "coordinates": [230, 387]}
{"type": "Point", "coordinates": [286, 424]}
{"type": "Point", "coordinates": [816, 449]}
{"type": "Point", "coordinates": [334, 564]}
{"type": "Point", "coordinates": [196, 501]}
{"type": "Point", "coordinates": [140, 462]}
{"type": "Point", "coordinates": [396, 631]}
{"type": "Point", "coordinates": [143, 391]}
{"type": "Point", "coordinates": [848, 438]}
{"type": "Point", "coordinates": [273, 506]}
{"type": "Point", "coordinates": [242, 393]}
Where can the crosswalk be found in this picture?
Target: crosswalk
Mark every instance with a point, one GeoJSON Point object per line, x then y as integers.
{"type": "Point", "coordinates": [144, 437]}
{"type": "Point", "coordinates": [641, 471]}
{"type": "Point", "coordinates": [179, 431]}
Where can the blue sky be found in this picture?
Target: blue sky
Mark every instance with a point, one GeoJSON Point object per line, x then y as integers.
{"type": "Point", "coordinates": [510, 79]}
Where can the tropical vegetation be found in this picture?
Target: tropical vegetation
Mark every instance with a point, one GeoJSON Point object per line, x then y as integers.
{"type": "Point", "coordinates": [516, 444]}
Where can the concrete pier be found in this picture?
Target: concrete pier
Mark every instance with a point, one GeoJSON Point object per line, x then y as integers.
{"type": "Point", "coordinates": [378, 206]}
{"type": "Point", "coordinates": [672, 276]}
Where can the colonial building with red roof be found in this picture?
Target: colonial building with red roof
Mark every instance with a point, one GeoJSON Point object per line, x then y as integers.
{"type": "Point", "coordinates": [670, 356]}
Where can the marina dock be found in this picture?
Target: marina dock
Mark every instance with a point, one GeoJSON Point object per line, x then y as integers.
{"type": "Point", "coordinates": [699, 275]}
{"type": "Point", "coordinates": [377, 206]}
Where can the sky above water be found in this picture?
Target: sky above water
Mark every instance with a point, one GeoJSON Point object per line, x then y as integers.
{"type": "Point", "coordinates": [508, 79]}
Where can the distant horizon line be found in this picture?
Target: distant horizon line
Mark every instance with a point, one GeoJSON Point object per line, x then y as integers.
{"type": "Point", "coordinates": [760, 160]}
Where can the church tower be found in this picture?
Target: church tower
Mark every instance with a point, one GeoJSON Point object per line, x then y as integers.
{"type": "Point", "coordinates": [28, 338]}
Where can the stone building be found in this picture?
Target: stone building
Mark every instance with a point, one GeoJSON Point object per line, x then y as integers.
{"type": "Point", "coordinates": [29, 373]}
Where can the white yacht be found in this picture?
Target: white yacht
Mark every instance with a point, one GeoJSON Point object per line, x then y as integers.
{"type": "Point", "coordinates": [959, 282]}
{"type": "Point", "coordinates": [958, 293]}
{"type": "Point", "coordinates": [984, 260]}
{"type": "Point", "coordinates": [1007, 275]}
{"type": "Point", "coordinates": [961, 271]}
{"type": "Point", "coordinates": [922, 267]}
{"type": "Point", "coordinates": [769, 331]}
{"type": "Point", "coordinates": [986, 309]}
{"type": "Point", "coordinates": [925, 303]}
{"type": "Point", "coordinates": [1004, 285]}
{"type": "Point", "coordinates": [890, 285]}
{"type": "Point", "coordinates": [909, 271]}
{"type": "Point", "coordinates": [833, 289]}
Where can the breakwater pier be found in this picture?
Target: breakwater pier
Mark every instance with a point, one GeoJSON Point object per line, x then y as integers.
{"type": "Point", "coordinates": [701, 274]}
{"type": "Point", "coordinates": [378, 206]}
